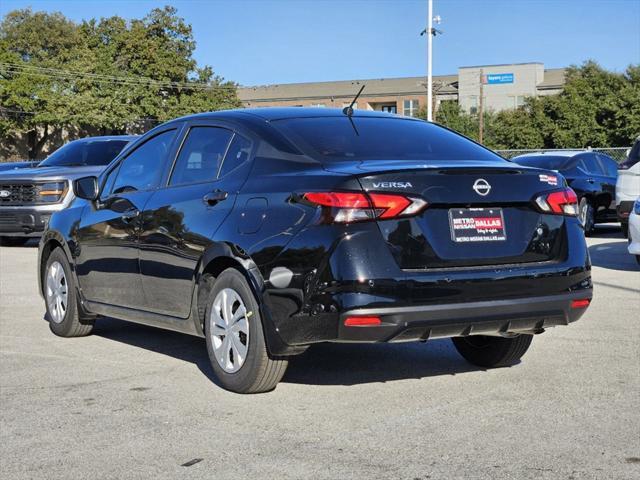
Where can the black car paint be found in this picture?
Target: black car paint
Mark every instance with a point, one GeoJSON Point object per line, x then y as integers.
{"type": "Point", "coordinates": [152, 267]}
{"type": "Point", "coordinates": [598, 186]}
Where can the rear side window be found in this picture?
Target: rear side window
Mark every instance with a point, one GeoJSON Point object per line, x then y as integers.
{"type": "Point", "coordinates": [372, 138]}
{"type": "Point", "coordinates": [238, 153]}
{"type": "Point", "coordinates": [201, 155]}
{"type": "Point", "coordinates": [142, 169]}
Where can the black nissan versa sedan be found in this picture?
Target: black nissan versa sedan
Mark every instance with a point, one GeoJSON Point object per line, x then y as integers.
{"type": "Point", "coordinates": [268, 230]}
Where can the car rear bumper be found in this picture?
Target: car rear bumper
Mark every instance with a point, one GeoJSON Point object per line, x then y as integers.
{"type": "Point", "coordinates": [24, 222]}
{"type": "Point", "coordinates": [402, 324]}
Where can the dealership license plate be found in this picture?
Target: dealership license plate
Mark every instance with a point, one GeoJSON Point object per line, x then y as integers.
{"type": "Point", "coordinates": [477, 225]}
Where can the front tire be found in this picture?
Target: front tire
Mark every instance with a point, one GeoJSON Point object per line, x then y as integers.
{"type": "Point", "coordinates": [235, 339]}
{"type": "Point", "coordinates": [61, 298]}
{"type": "Point", "coordinates": [490, 352]}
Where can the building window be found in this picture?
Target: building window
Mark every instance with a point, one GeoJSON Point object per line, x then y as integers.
{"type": "Point", "coordinates": [410, 108]}
{"type": "Point", "coordinates": [318, 105]}
{"type": "Point", "coordinates": [473, 105]}
{"type": "Point", "coordinates": [389, 108]}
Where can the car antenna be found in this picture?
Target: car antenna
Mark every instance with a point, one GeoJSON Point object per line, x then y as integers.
{"type": "Point", "coordinates": [348, 111]}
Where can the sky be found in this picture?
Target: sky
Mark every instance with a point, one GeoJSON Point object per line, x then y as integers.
{"type": "Point", "coordinates": [258, 42]}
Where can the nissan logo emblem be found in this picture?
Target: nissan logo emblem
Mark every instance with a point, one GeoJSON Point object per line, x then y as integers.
{"type": "Point", "coordinates": [481, 187]}
{"type": "Point", "coordinates": [5, 193]}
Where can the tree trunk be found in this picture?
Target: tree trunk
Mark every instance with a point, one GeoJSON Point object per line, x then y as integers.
{"type": "Point", "coordinates": [35, 144]}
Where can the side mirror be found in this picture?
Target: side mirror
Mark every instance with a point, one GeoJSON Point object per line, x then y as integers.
{"type": "Point", "coordinates": [86, 188]}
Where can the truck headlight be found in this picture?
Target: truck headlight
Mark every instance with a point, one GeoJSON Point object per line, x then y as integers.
{"type": "Point", "coordinates": [51, 192]}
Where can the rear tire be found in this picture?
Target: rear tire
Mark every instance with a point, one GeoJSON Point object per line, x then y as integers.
{"type": "Point", "coordinates": [586, 214]}
{"type": "Point", "coordinates": [490, 352]}
{"type": "Point", "coordinates": [13, 241]}
{"type": "Point", "coordinates": [61, 299]}
{"type": "Point", "coordinates": [625, 229]}
{"type": "Point", "coordinates": [235, 339]}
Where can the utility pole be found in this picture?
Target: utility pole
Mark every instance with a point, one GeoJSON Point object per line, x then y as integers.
{"type": "Point", "coordinates": [481, 109]}
{"type": "Point", "coordinates": [429, 61]}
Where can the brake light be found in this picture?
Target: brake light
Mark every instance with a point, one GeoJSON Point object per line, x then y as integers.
{"type": "Point", "coordinates": [563, 202]}
{"type": "Point", "coordinates": [348, 207]}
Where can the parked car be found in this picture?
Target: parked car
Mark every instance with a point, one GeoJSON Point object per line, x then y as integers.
{"type": "Point", "coordinates": [268, 230]}
{"type": "Point", "coordinates": [591, 175]}
{"type": "Point", "coordinates": [634, 230]}
{"type": "Point", "coordinates": [28, 196]}
{"type": "Point", "coordinates": [628, 185]}
{"type": "Point", "coordinates": [4, 166]}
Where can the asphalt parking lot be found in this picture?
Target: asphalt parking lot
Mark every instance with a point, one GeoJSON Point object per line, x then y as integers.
{"type": "Point", "coordinates": [135, 402]}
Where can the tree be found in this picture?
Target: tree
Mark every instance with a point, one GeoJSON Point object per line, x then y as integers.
{"type": "Point", "coordinates": [105, 76]}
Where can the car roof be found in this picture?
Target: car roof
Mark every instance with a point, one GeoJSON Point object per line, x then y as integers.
{"type": "Point", "coordinates": [552, 153]}
{"type": "Point", "coordinates": [106, 138]}
{"type": "Point", "coordinates": [281, 113]}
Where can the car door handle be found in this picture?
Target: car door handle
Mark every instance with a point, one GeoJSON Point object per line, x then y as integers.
{"type": "Point", "coordinates": [130, 215]}
{"type": "Point", "coordinates": [213, 198]}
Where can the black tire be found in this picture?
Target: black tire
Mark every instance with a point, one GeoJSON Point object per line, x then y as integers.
{"type": "Point", "coordinates": [13, 241]}
{"type": "Point", "coordinates": [586, 214]}
{"type": "Point", "coordinates": [638, 259]}
{"type": "Point", "coordinates": [490, 352]}
{"type": "Point", "coordinates": [625, 229]}
{"type": "Point", "coordinates": [258, 372]}
{"type": "Point", "coordinates": [73, 323]}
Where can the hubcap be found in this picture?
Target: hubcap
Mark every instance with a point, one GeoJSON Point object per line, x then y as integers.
{"type": "Point", "coordinates": [584, 208]}
{"type": "Point", "coordinates": [229, 330]}
{"type": "Point", "coordinates": [57, 292]}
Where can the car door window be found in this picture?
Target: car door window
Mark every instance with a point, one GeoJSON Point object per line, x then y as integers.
{"type": "Point", "coordinates": [238, 153]}
{"type": "Point", "coordinates": [591, 165]}
{"type": "Point", "coordinates": [201, 155]}
{"type": "Point", "coordinates": [609, 165]}
{"type": "Point", "coordinates": [142, 169]}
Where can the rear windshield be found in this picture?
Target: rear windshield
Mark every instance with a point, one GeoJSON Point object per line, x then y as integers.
{"type": "Point", "coordinates": [79, 153]}
{"type": "Point", "coordinates": [373, 138]}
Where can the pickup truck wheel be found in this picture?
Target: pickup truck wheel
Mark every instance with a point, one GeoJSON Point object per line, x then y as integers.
{"type": "Point", "coordinates": [65, 318]}
{"type": "Point", "coordinates": [486, 351]}
{"type": "Point", "coordinates": [235, 339]}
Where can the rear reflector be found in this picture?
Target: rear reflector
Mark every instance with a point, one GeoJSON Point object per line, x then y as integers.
{"type": "Point", "coordinates": [581, 303]}
{"type": "Point", "coordinates": [362, 321]}
{"type": "Point", "coordinates": [563, 202]}
{"type": "Point", "coordinates": [350, 207]}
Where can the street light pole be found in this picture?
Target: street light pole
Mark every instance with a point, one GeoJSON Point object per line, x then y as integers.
{"type": "Point", "coordinates": [429, 61]}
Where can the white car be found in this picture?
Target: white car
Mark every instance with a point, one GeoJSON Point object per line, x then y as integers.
{"type": "Point", "coordinates": [634, 230]}
{"type": "Point", "coordinates": [628, 185]}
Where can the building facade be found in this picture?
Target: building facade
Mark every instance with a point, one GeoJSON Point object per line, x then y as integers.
{"type": "Point", "coordinates": [502, 86]}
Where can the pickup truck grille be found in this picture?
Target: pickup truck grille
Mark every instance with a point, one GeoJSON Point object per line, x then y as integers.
{"type": "Point", "coordinates": [14, 194]}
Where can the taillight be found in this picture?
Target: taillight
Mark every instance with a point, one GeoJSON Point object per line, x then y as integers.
{"type": "Point", "coordinates": [562, 202]}
{"type": "Point", "coordinates": [348, 207]}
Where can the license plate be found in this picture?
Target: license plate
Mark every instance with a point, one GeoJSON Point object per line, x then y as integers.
{"type": "Point", "coordinates": [477, 225]}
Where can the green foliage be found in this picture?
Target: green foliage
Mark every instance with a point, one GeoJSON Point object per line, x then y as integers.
{"type": "Point", "coordinates": [106, 75]}
{"type": "Point", "coordinates": [597, 108]}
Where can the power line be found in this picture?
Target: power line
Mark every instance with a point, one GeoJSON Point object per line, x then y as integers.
{"type": "Point", "coordinates": [113, 79]}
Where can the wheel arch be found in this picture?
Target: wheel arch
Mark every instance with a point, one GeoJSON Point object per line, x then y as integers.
{"type": "Point", "coordinates": [48, 243]}
{"type": "Point", "coordinates": [220, 257]}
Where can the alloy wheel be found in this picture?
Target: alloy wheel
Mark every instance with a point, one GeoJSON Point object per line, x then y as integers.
{"type": "Point", "coordinates": [230, 330]}
{"type": "Point", "coordinates": [57, 292]}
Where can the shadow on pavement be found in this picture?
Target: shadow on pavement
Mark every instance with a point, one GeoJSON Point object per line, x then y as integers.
{"type": "Point", "coordinates": [323, 364]}
{"type": "Point", "coordinates": [614, 256]}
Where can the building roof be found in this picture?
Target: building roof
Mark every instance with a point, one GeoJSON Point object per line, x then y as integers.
{"type": "Point", "coordinates": [347, 88]}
